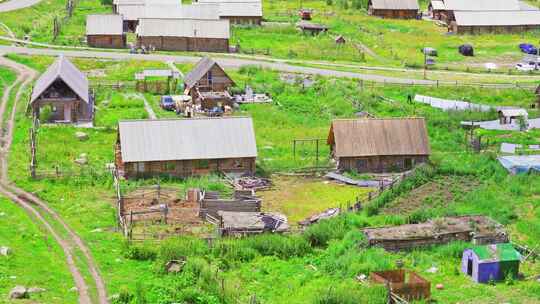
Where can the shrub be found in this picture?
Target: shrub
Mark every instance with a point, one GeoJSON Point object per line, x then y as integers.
{"type": "Point", "coordinates": [140, 253]}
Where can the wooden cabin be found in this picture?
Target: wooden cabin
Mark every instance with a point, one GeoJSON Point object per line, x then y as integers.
{"type": "Point", "coordinates": [394, 9]}
{"type": "Point", "coordinates": [105, 31]}
{"type": "Point", "coordinates": [192, 35]}
{"type": "Point", "coordinates": [62, 95]}
{"type": "Point", "coordinates": [311, 28]}
{"type": "Point", "coordinates": [185, 147]}
{"type": "Point", "coordinates": [207, 84]}
{"type": "Point", "coordinates": [379, 145]}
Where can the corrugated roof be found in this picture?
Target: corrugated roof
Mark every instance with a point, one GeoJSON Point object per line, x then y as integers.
{"type": "Point", "coordinates": [438, 5]}
{"type": "Point", "coordinates": [104, 25]}
{"type": "Point", "coordinates": [395, 4]}
{"type": "Point", "coordinates": [62, 69]}
{"type": "Point", "coordinates": [482, 5]}
{"type": "Point", "coordinates": [497, 252]}
{"type": "Point", "coordinates": [201, 68]}
{"type": "Point", "coordinates": [370, 137]}
{"type": "Point", "coordinates": [199, 11]}
{"type": "Point", "coordinates": [218, 29]}
{"type": "Point", "coordinates": [131, 12]}
{"type": "Point", "coordinates": [237, 8]}
{"type": "Point", "coordinates": [187, 139]}
{"type": "Point", "coordinates": [498, 18]}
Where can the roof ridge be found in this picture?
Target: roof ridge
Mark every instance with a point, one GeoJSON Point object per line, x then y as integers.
{"type": "Point", "coordinates": [377, 118]}
{"type": "Point", "coordinates": [185, 119]}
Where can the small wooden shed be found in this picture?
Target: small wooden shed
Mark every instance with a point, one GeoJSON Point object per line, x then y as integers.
{"type": "Point", "coordinates": [311, 28]}
{"type": "Point", "coordinates": [511, 115]}
{"type": "Point", "coordinates": [185, 147]}
{"type": "Point", "coordinates": [396, 9]}
{"type": "Point", "coordinates": [62, 94]}
{"type": "Point", "coordinates": [491, 262]}
{"type": "Point", "coordinates": [208, 83]}
{"type": "Point", "coordinates": [379, 145]}
{"type": "Point", "coordinates": [105, 31]}
{"type": "Point", "coordinates": [408, 285]}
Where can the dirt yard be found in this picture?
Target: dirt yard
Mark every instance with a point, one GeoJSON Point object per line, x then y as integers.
{"type": "Point", "coordinates": [439, 192]}
{"type": "Point", "coordinates": [300, 197]}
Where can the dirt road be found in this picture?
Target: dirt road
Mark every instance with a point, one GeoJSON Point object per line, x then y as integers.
{"type": "Point", "coordinates": [67, 239]}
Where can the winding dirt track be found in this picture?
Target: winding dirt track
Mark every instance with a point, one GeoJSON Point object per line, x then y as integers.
{"type": "Point", "coordinates": [71, 242]}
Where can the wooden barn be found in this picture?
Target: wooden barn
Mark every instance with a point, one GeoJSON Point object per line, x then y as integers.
{"type": "Point", "coordinates": [481, 22]}
{"type": "Point", "coordinates": [184, 35]}
{"type": "Point", "coordinates": [131, 11]}
{"type": "Point", "coordinates": [396, 9]}
{"type": "Point", "coordinates": [247, 12]}
{"type": "Point", "coordinates": [379, 145]}
{"type": "Point", "coordinates": [207, 84]}
{"type": "Point", "coordinates": [185, 147]}
{"type": "Point", "coordinates": [62, 95]}
{"type": "Point", "coordinates": [105, 31]}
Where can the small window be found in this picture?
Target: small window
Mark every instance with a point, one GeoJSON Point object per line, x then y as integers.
{"type": "Point", "coordinates": [203, 164]}
{"type": "Point", "coordinates": [140, 167]}
{"type": "Point", "coordinates": [238, 163]}
{"type": "Point", "coordinates": [361, 164]}
{"type": "Point", "coordinates": [170, 166]}
{"type": "Point", "coordinates": [54, 109]}
{"type": "Point", "coordinates": [209, 77]}
{"type": "Point", "coordinates": [408, 162]}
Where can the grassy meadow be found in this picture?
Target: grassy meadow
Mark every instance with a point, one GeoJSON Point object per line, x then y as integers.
{"type": "Point", "coordinates": [319, 266]}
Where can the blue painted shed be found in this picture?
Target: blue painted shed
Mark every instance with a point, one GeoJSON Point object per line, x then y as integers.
{"type": "Point", "coordinates": [490, 262]}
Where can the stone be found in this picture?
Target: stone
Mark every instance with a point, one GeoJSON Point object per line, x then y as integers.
{"type": "Point", "coordinates": [5, 251]}
{"type": "Point", "coordinates": [81, 136]}
{"type": "Point", "coordinates": [439, 286]}
{"type": "Point", "coordinates": [36, 290]}
{"type": "Point", "coordinates": [74, 289]}
{"type": "Point", "coordinates": [432, 270]}
{"type": "Point", "coordinates": [82, 160]}
{"type": "Point", "coordinates": [18, 292]}
{"type": "Point", "coordinates": [175, 266]}
{"type": "Point", "coordinates": [361, 277]}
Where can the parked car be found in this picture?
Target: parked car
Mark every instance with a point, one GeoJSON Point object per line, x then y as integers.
{"type": "Point", "coordinates": [525, 67]}
{"type": "Point", "coordinates": [167, 103]}
{"type": "Point", "coordinates": [528, 48]}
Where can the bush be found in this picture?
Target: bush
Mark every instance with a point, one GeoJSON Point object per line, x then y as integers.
{"type": "Point", "coordinates": [140, 253]}
{"type": "Point", "coordinates": [321, 233]}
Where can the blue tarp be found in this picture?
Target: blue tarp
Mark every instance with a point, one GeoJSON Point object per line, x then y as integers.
{"type": "Point", "coordinates": [520, 164]}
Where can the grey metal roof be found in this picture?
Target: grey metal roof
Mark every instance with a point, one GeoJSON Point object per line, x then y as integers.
{"type": "Point", "coordinates": [218, 29]}
{"type": "Point", "coordinates": [497, 18]}
{"type": "Point", "coordinates": [62, 69]}
{"type": "Point", "coordinates": [131, 12]}
{"type": "Point", "coordinates": [395, 4]}
{"type": "Point", "coordinates": [202, 67]}
{"type": "Point", "coordinates": [438, 5]}
{"type": "Point", "coordinates": [237, 8]}
{"type": "Point", "coordinates": [482, 5]}
{"type": "Point", "coordinates": [200, 11]}
{"type": "Point", "coordinates": [104, 25]}
{"type": "Point", "coordinates": [187, 139]}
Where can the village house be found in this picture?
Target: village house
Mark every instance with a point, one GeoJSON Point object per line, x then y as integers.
{"type": "Point", "coordinates": [447, 8]}
{"type": "Point", "coordinates": [379, 145]}
{"type": "Point", "coordinates": [198, 11]}
{"type": "Point", "coordinates": [62, 95]}
{"type": "Point", "coordinates": [133, 10]}
{"type": "Point", "coordinates": [207, 84]}
{"type": "Point", "coordinates": [184, 35]}
{"type": "Point", "coordinates": [105, 31]}
{"type": "Point", "coordinates": [493, 262]}
{"type": "Point", "coordinates": [397, 9]}
{"type": "Point", "coordinates": [480, 22]}
{"type": "Point", "coordinates": [185, 147]}
{"type": "Point", "coordinates": [238, 11]}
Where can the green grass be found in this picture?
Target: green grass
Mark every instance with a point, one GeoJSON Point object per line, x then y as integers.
{"type": "Point", "coordinates": [319, 266]}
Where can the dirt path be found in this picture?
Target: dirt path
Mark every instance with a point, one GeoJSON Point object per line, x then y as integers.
{"type": "Point", "coordinates": [36, 207]}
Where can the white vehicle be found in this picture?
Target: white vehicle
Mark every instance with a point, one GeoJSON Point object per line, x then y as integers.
{"type": "Point", "coordinates": [525, 67]}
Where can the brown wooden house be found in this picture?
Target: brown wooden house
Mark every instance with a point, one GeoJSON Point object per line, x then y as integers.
{"type": "Point", "coordinates": [396, 9]}
{"type": "Point", "coordinates": [379, 145]}
{"type": "Point", "coordinates": [192, 35]}
{"type": "Point", "coordinates": [62, 95]}
{"type": "Point", "coordinates": [185, 147]}
{"type": "Point", "coordinates": [207, 84]}
{"type": "Point", "coordinates": [105, 31]}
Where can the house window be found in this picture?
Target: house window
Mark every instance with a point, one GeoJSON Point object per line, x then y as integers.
{"type": "Point", "coordinates": [209, 74]}
{"type": "Point", "coordinates": [361, 164]}
{"type": "Point", "coordinates": [203, 164]}
{"type": "Point", "coordinates": [408, 162]}
{"type": "Point", "coordinates": [238, 164]}
{"type": "Point", "coordinates": [170, 166]}
{"type": "Point", "coordinates": [140, 167]}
